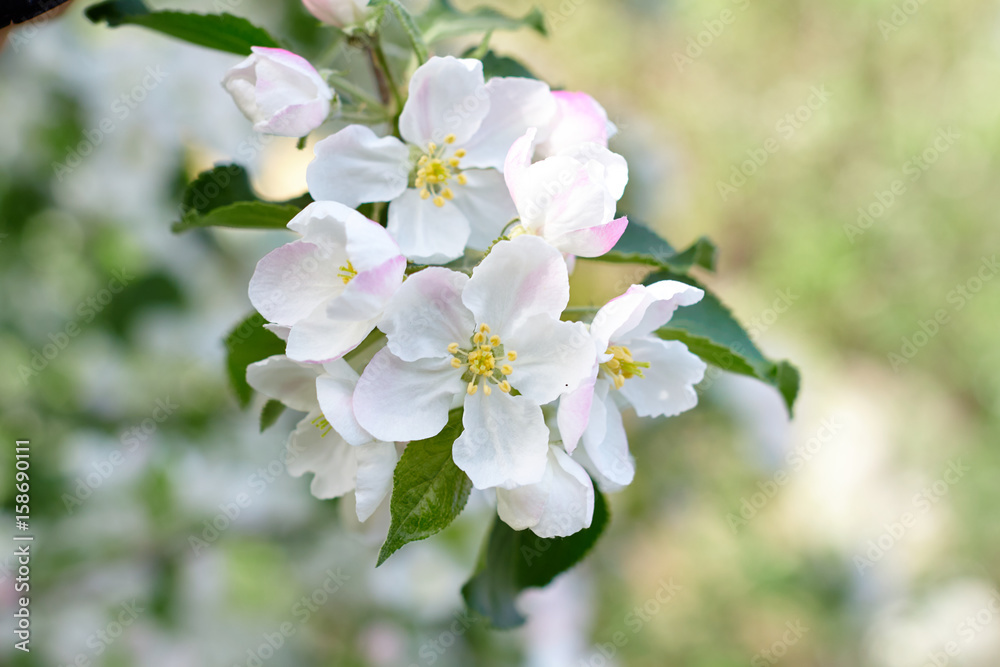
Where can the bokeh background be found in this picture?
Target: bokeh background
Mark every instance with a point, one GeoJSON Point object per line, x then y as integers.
{"type": "Point", "coordinates": [863, 532]}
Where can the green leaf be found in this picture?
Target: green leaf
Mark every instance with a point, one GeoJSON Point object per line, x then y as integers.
{"type": "Point", "coordinates": [494, 65]}
{"type": "Point", "coordinates": [413, 33]}
{"type": "Point", "coordinates": [270, 413]}
{"type": "Point", "coordinates": [224, 32]}
{"type": "Point", "coordinates": [442, 20]}
{"type": "Point", "coordinates": [641, 245]}
{"type": "Point", "coordinates": [223, 197]}
{"type": "Point", "coordinates": [428, 489]}
{"type": "Point", "coordinates": [710, 331]}
{"type": "Point", "coordinates": [241, 215]}
{"type": "Point", "coordinates": [514, 560]}
{"type": "Point", "coordinates": [248, 342]}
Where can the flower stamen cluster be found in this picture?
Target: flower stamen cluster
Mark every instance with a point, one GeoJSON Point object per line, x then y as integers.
{"type": "Point", "coordinates": [622, 366]}
{"type": "Point", "coordinates": [435, 168]}
{"type": "Point", "coordinates": [480, 362]}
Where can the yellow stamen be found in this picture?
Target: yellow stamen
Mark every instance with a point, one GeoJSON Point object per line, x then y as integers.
{"type": "Point", "coordinates": [506, 369]}
{"type": "Point", "coordinates": [456, 362]}
{"type": "Point", "coordinates": [448, 194]}
{"type": "Point", "coordinates": [471, 389]}
{"type": "Point", "coordinates": [462, 180]}
{"type": "Point", "coordinates": [484, 328]}
{"type": "Point", "coordinates": [439, 201]}
{"type": "Point", "coordinates": [460, 153]}
{"type": "Point", "coordinates": [512, 356]}
{"type": "Point", "coordinates": [494, 340]}
{"type": "Point", "coordinates": [450, 139]}
{"type": "Point", "coordinates": [452, 348]}
{"type": "Point", "coordinates": [347, 272]}
{"type": "Point", "coordinates": [505, 387]}
{"type": "Point", "coordinates": [425, 194]}
{"type": "Point", "coordinates": [487, 390]}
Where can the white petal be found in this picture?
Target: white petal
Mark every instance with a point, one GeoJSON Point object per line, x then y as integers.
{"type": "Point", "coordinates": [486, 204]}
{"type": "Point", "coordinates": [367, 294]}
{"type": "Point", "coordinates": [517, 280]}
{"type": "Point", "coordinates": [321, 338]}
{"type": "Point", "coordinates": [329, 458]}
{"type": "Point", "coordinates": [516, 104]}
{"type": "Point", "coordinates": [504, 442]}
{"type": "Point", "coordinates": [640, 311]}
{"type": "Point", "coordinates": [667, 388]}
{"type": "Point", "coordinates": [579, 118]}
{"type": "Point", "coordinates": [278, 330]}
{"type": "Point", "coordinates": [369, 245]}
{"type": "Point", "coordinates": [290, 282]}
{"type": "Point", "coordinates": [335, 393]}
{"type": "Point", "coordinates": [376, 463]}
{"type": "Point", "coordinates": [447, 96]}
{"type": "Point", "coordinates": [425, 232]}
{"type": "Point", "coordinates": [355, 166]}
{"type": "Point", "coordinates": [290, 382]}
{"type": "Point", "coordinates": [399, 400]}
{"type": "Point", "coordinates": [560, 195]}
{"type": "Point", "coordinates": [591, 241]}
{"type": "Point", "coordinates": [573, 415]}
{"type": "Point", "coordinates": [608, 447]}
{"type": "Point", "coordinates": [570, 506]}
{"type": "Point", "coordinates": [517, 162]}
{"type": "Point", "coordinates": [553, 357]}
{"type": "Point", "coordinates": [427, 314]}
{"type": "Point", "coordinates": [522, 506]}
{"type": "Point", "coordinates": [614, 168]}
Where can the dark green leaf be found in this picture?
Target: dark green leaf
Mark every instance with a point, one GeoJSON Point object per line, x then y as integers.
{"type": "Point", "coordinates": [223, 197]}
{"type": "Point", "coordinates": [710, 331]}
{"type": "Point", "coordinates": [242, 215]}
{"type": "Point", "coordinates": [442, 20]}
{"type": "Point", "coordinates": [248, 342]}
{"type": "Point", "coordinates": [428, 489]}
{"type": "Point", "coordinates": [514, 560]}
{"type": "Point", "coordinates": [224, 32]}
{"type": "Point", "coordinates": [494, 65]}
{"type": "Point", "coordinates": [641, 245]}
{"type": "Point", "coordinates": [270, 413]}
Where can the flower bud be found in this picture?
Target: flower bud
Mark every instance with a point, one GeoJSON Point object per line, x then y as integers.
{"type": "Point", "coordinates": [340, 13]}
{"type": "Point", "coordinates": [280, 92]}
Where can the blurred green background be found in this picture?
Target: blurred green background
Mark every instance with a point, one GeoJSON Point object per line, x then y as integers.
{"type": "Point", "coordinates": [844, 156]}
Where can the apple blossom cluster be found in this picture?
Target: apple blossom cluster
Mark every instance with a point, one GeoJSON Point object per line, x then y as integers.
{"type": "Point", "coordinates": [520, 178]}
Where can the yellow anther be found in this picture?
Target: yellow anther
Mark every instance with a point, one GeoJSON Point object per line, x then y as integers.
{"type": "Point", "coordinates": [512, 356]}
{"type": "Point", "coordinates": [486, 348]}
{"type": "Point", "coordinates": [475, 354]}
{"type": "Point", "coordinates": [505, 387]}
{"type": "Point", "coordinates": [613, 364]}
{"type": "Point", "coordinates": [619, 381]}
{"type": "Point", "coordinates": [448, 194]}
{"type": "Point", "coordinates": [347, 272]}
{"type": "Point", "coordinates": [506, 369]}
{"type": "Point", "coordinates": [452, 348]}
{"type": "Point", "coordinates": [471, 389]}
{"type": "Point", "coordinates": [425, 194]}
{"type": "Point", "coordinates": [487, 389]}
{"type": "Point", "coordinates": [494, 340]}
{"type": "Point", "coordinates": [456, 362]}
{"type": "Point", "coordinates": [439, 201]}
{"type": "Point", "coordinates": [450, 139]}
{"type": "Point", "coordinates": [478, 337]}
{"type": "Point", "coordinates": [431, 146]}
{"type": "Point", "coordinates": [423, 160]}
{"type": "Point", "coordinates": [460, 152]}
{"type": "Point", "coordinates": [622, 366]}
{"type": "Point", "coordinates": [461, 179]}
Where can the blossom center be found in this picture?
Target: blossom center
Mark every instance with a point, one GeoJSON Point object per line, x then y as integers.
{"type": "Point", "coordinates": [484, 362]}
{"type": "Point", "coordinates": [347, 272]}
{"type": "Point", "coordinates": [435, 168]}
{"type": "Point", "coordinates": [622, 366]}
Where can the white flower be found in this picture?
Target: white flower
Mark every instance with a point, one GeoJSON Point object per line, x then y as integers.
{"type": "Point", "coordinates": [579, 119]}
{"type": "Point", "coordinates": [568, 199]}
{"type": "Point", "coordinates": [331, 285]}
{"type": "Point", "coordinates": [327, 442]}
{"type": "Point", "coordinates": [340, 13]}
{"type": "Point", "coordinates": [561, 504]}
{"type": "Point", "coordinates": [655, 376]}
{"type": "Point", "coordinates": [444, 185]}
{"type": "Point", "coordinates": [455, 340]}
{"type": "Point", "coordinates": [280, 92]}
